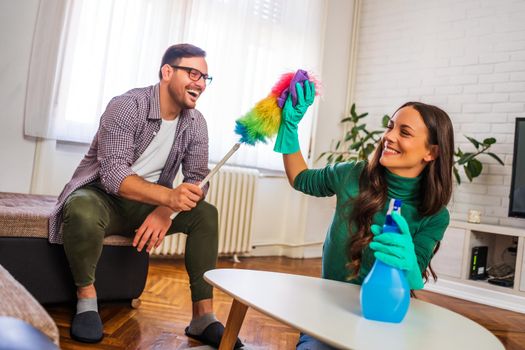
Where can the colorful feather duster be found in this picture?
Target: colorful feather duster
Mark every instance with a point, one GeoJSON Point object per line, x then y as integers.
{"type": "Point", "coordinates": [263, 120]}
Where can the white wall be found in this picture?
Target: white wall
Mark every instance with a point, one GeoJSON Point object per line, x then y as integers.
{"type": "Point", "coordinates": [17, 21]}
{"type": "Point", "coordinates": [466, 56]}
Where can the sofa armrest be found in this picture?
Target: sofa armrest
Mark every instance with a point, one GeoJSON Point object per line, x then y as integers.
{"type": "Point", "coordinates": [17, 302]}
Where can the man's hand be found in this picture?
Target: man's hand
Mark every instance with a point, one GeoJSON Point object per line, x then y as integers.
{"type": "Point", "coordinates": [153, 229]}
{"type": "Point", "coordinates": [185, 197]}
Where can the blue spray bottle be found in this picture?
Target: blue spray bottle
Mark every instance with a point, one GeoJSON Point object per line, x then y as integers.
{"type": "Point", "coordinates": [385, 293]}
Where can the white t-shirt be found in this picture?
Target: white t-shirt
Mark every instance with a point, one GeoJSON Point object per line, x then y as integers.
{"type": "Point", "coordinates": [152, 161]}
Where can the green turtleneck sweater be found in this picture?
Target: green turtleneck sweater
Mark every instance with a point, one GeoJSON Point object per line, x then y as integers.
{"type": "Point", "coordinates": [342, 179]}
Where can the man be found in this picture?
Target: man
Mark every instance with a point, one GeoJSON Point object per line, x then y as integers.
{"type": "Point", "coordinates": [124, 186]}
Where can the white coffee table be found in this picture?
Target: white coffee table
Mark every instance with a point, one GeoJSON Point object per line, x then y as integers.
{"type": "Point", "coordinates": [330, 311]}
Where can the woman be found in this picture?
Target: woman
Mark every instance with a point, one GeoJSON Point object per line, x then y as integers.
{"type": "Point", "coordinates": [413, 162]}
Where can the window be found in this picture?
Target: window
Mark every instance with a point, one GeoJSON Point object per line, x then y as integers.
{"type": "Point", "coordinates": [109, 47]}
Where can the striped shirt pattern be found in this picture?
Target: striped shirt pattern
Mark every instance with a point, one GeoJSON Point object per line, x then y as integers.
{"type": "Point", "coordinates": [127, 127]}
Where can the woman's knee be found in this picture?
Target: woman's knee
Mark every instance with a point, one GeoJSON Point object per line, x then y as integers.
{"type": "Point", "coordinates": [307, 342]}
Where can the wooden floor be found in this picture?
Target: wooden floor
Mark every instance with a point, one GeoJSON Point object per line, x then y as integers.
{"type": "Point", "coordinates": [166, 309]}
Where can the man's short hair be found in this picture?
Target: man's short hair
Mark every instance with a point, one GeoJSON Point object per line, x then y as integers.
{"type": "Point", "coordinates": [175, 52]}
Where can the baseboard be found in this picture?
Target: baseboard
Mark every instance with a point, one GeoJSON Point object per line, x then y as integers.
{"type": "Point", "coordinates": [479, 295]}
{"type": "Point", "coordinates": [288, 250]}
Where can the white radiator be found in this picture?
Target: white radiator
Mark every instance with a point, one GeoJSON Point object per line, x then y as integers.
{"type": "Point", "coordinates": [232, 191]}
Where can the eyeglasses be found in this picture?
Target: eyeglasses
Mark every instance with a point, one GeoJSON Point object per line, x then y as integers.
{"type": "Point", "coordinates": [195, 74]}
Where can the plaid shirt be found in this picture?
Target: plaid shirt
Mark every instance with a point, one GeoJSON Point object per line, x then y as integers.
{"type": "Point", "coordinates": [126, 128]}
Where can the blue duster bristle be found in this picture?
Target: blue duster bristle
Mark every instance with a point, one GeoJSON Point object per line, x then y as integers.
{"type": "Point", "coordinates": [241, 130]}
{"type": "Point", "coordinates": [248, 135]}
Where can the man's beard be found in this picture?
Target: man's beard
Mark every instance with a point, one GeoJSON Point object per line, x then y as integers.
{"type": "Point", "coordinates": [181, 102]}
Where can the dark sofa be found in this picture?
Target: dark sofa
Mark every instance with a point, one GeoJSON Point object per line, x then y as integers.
{"type": "Point", "coordinates": [42, 267]}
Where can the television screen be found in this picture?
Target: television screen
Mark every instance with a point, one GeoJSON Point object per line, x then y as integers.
{"type": "Point", "coordinates": [517, 188]}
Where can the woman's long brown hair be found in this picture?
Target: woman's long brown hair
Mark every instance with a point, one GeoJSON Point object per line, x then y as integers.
{"type": "Point", "coordinates": [435, 188]}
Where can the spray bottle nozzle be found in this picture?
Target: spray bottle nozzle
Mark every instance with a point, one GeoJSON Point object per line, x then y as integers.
{"type": "Point", "coordinates": [393, 206]}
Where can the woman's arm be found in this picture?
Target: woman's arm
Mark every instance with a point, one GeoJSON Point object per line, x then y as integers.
{"type": "Point", "coordinates": [287, 141]}
{"type": "Point", "coordinates": [293, 164]}
{"type": "Point", "coordinates": [431, 232]}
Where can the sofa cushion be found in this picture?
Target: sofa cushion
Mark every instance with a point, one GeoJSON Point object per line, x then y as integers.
{"type": "Point", "coordinates": [16, 301]}
{"type": "Point", "coordinates": [26, 215]}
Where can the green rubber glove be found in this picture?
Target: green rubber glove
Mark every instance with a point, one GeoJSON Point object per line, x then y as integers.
{"type": "Point", "coordinates": [398, 250]}
{"type": "Point", "coordinates": [287, 141]}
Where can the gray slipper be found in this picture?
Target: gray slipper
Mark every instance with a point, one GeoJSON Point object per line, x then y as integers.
{"type": "Point", "coordinates": [86, 327]}
{"type": "Point", "coordinates": [212, 335]}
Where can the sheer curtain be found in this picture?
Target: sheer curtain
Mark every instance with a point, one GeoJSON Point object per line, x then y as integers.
{"type": "Point", "coordinates": [115, 45]}
{"type": "Point", "coordinates": [250, 44]}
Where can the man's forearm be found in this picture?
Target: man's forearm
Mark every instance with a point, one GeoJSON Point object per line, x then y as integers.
{"type": "Point", "coordinates": [136, 188]}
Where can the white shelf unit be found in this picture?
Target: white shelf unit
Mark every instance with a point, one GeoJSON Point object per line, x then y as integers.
{"type": "Point", "coordinates": [452, 264]}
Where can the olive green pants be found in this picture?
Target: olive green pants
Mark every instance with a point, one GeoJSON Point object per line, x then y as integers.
{"type": "Point", "coordinates": [90, 214]}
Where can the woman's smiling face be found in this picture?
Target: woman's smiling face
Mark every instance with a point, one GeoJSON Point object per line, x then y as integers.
{"type": "Point", "coordinates": [405, 144]}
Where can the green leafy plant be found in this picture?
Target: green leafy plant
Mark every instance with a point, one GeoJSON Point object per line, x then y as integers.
{"type": "Point", "coordinates": [471, 165]}
{"type": "Point", "coordinates": [358, 143]}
